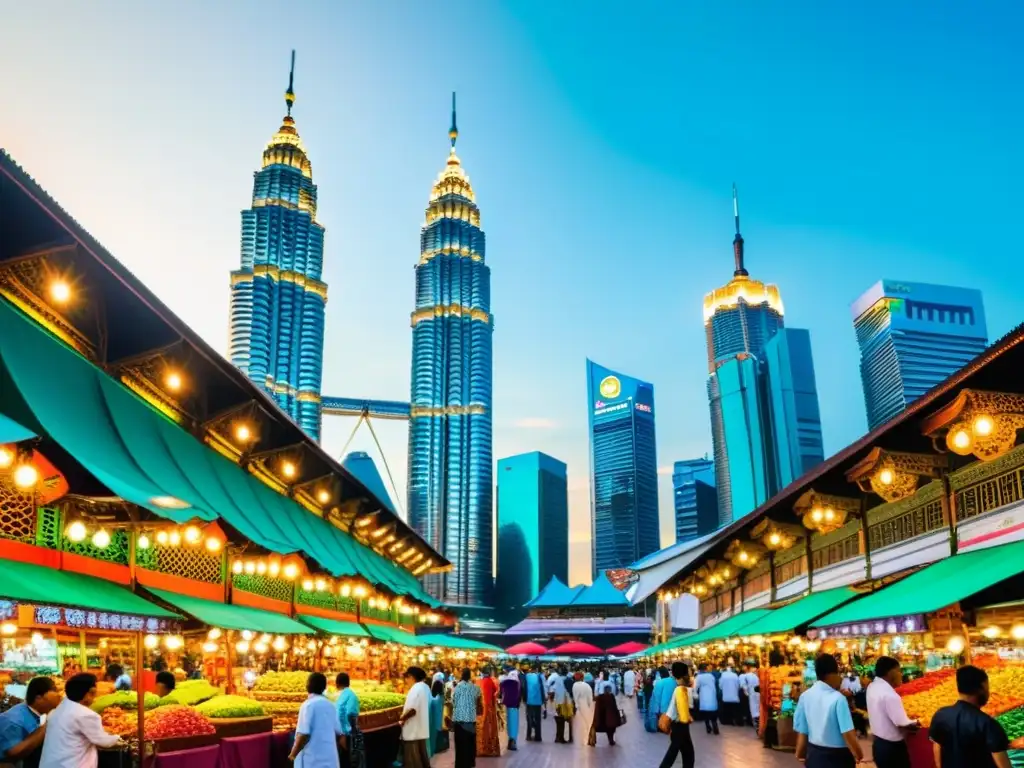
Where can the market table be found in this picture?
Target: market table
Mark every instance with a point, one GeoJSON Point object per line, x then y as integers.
{"type": "Point", "coordinates": [253, 751]}
{"type": "Point", "coordinates": [281, 746]}
{"type": "Point", "coordinates": [920, 748]}
{"type": "Point", "coordinates": [203, 757]}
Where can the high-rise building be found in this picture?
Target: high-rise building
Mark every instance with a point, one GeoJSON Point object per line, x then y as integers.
{"type": "Point", "coordinates": [739, 318]}
{"type": "Point", "coordinates": [624, 468]}
{"type": "Point", "coordinates": [911, 337]}
{"type": "Point", "coordinates": [695, 497]}
{"type": "Point", "coordinates": [765, 421]}
{"type": "Point", "coordinates": [533, 529]}
{"type": "Point", "coordinates": [450, 445]}
{"type": "Point", "coordinates": [791, 394]}
{"type": "Point", "coordinates": [277, 294]}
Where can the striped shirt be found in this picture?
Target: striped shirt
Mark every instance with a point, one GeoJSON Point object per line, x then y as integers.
{"type": "Point", "coordinates": [464, 699]}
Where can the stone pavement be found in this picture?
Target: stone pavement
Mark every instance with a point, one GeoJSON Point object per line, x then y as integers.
{"type": "Point", "coordinates": [635, 748]}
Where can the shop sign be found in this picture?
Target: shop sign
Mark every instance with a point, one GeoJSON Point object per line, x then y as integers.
{"type": "Point", "coordinates": [895, 626]}
{"type": "Point", "coordinates": [76, 618]}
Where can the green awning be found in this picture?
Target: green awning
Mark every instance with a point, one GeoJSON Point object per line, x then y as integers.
{"type": "Point", "coordinates": [719, 631]}
{"type": "Point", "coordinates": [25, 582]}
{"type": "Point", "coordinates": [239, 617]}
{"type": "Point", "coordinates": [934, 587]}
{"type": "Point", "coordinates": [388, 634]}
{"type": "Point", "coordinates": [799, 613]}
{"type": "Point", "coordinates": [333, 626]}
{"type": "Point", "coordinates": [458, 643]}
{"type": "Point", "coordinates": [142, 456]}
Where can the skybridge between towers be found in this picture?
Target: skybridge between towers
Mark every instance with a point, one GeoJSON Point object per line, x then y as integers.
{"type": "Point", "coordinates": [376, 409]}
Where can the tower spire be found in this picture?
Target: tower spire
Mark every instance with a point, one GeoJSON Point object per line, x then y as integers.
{"type": "Point", "coordinates": [737, 241]}
{"type": "Point", "coordinates": [289, 95]}
{"type": "Point", "coordinates": [453, 132]}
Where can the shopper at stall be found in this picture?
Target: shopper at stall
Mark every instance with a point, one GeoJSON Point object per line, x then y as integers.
{"type": "Point", "coordinates": [729, 685]}
{"type": "Point", "coordinates": [823, 723]}
{"type": "Point", "coordinates": [511, 694]}
{"type": "Point", "coordinates": [347, 711]}
{"type": "Point", "coordinates": [534, 703]}
{"type": "Point", "coordinates": [679, 718]}
{"type": "Point", "coordinates": [21, 735]}
{"type": "Point", "coordinates": [73, 731]}
{"type": "Point", "coordinates": [889, 721]}
{"type": "Point", "coordinates": [415, 720]}
{"type": "Point", "coordinates": [317, 731]}
{"type": "Point", "coordinates": [165, 683]}
{"type": "Point", "coordinates": [707, 698]}
{"type": "Point", "coordinates": [962, 735]}
{"type": "Point", "coordinates": [466, 707]}
{"type": "Point", "coordinates": [115, 674]}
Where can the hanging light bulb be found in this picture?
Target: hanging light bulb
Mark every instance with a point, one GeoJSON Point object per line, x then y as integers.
{"type": "Point", "coordinates": [775, 539]}
{"type": "Point", "coordinates": [246, 634]}
{"type": "Point", "coordinates": [174, 538]}
{"type": "Point", "coordinates": [173, 381]}
{"type": "Point", "coordinates": [162, 538]}
{"type": "Point", "coordinates": [983, 425]}
{"type": "Point", "coordinates": [291, 571]}
{"type": "Point", "coordinates": [242, 433]}
{"type": "Point", "coordinates": [143, 542]}
{"type": "Point", "coordinates": [346, 589]}
{"type": "Point", "coordinates": [209, 647]}
{"type": "Point", "coordinates": [274, 568]}
{"type": "Point", "coordinates": [60, 291]}
{"type": "Point", "coordinates": [212, 544]}
{"type": "Point", "coordinates": [250, 567]}
{"type": "Point", "coordinates": [959, 441]}
{"type": "Point", "coordinates": [193, 535]}
{"type": "Point", "coordinates": [8, 628]}
{"type": "Point", "coordinates": [173, 643]}
{"type": "Point", "coordinates": [279, 644]}
{"type": "Point", "coordinates": [151, 641]}
{"type": "Point", "coordinates": [288, 469]}
{"type": "Point", "coordinates": [238, 566]}
{"type": "Point", "coordinates": [323, 496]}
{"type": "Point", "coordinates": [242, 646]}
{"type": "Point", "coordinates": [955, 644]}
{"type": "Point", "coordinates": [213, 634]}
{"type": "Point", "coordinates": [307, 585]}
{"type": "Point", "coordinates": [101, 539]}
{"type": "Point", "coordinates": [991, 633]}
{"type": "Point", "coordinates": [260, 647]}
{"type": "Point", "coordinates": [320, 585]}
{"type": "Point", "coordinates": [7, 457]}
{"type": "Point", "coordinates": [77, 531]}
{"type": "Point", "coordinates": [26, 476]}
{"type": "Point", "coordinates": [261, 567]}
{"type": "Point", "coordinates": [886, 476]}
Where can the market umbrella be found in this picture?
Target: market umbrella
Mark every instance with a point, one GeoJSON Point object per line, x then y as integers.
{"type": "Point", "coordinates": [526, 649]}
{"type": "Point", "coordinates": [627, 649]}
{"type": "Point", "coordinates": [577, 648]}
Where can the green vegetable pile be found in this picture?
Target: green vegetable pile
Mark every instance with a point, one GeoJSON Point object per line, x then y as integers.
{"type": "Point", "coordinates": [372, 702]}
{"type": "Point", "coordinates": [190, 693]}
{"type": "Point", "coordinates": [1013, 723]}
{"type": "Point", "coordinates": [285, 682]}
{"type": "Point", "coordinates": [125, 700]}
{"type": "Point", "coordinates": [230, 706]}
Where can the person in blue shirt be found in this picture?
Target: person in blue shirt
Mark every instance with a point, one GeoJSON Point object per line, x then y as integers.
{"type": "Point", "coordinates": [347, 708]}
{"type": "Point", "coordinates": [116, 675]}
{"type": "Point", "coordinates": [707, 698]}
{"type": "Point", "coordinates": [823, 722]}
{"type": "Point", "coordinates": [534, 703]}
{"type": "Point", "coordinates": [21, 736]}
{"type": "Point", "coordinates": [661, 698]}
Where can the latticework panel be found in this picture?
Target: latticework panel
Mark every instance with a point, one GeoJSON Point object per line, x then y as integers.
{"type": "Point", "coordinates": [276, 589]}
{"type": "Point", "coordinates": [48, 528]}
{"type": "Point", "coordinates": [187, 562]}
{"type": "Point", "coordinates": [17, 513]}
{"type": "Point", "coordinates": [319, 599]}
{"type": "Point", "coordinates": [115, 552]}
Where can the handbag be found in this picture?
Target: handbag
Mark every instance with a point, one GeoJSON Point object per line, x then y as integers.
{"type": "Point", "coordinates": [622, 717]}
{"type": "Point", "coordinates": [664, 723]}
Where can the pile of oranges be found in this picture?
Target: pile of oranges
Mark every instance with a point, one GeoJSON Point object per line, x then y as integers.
{"type": "Point", "coordinates": [1006, 683]}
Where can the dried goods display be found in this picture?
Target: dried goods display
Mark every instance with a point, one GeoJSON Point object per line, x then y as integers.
{"type": "Point", "coordinates": [175, 721]}
{"type": "Point", "coordinates": [230, 706]}
{"type": "Point", "coordinates": [125, 700]}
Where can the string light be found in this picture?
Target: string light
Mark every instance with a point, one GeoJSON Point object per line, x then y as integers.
{"type": "Point", "coordinates": [279, 644]}
{"type": "Point", "coordinates": [193, 535]}
{"type": "Point", "coordinates": [291, 571]}
{"type": "Point", "coordinates": [151, 641]}
{"type": "Point", "coordinates": [213, 544]}
{"type": "Point", "coordinates": [174, 538]}
{"type": "Point", "coordinates": [162, 538]}
{"type": "Point", "coordinates": [77, 532]}
{"type": "Point", "coordinates": [307, 585]}
{"type": "Point", "coordinates": [213, 634]}
{"type": "Point", "coordinates": [261, 567]}
{"type": "Point", "coordinates": [143, 542]}
{"type": "Point", "coordinates": [250, 568]}
{"type": "Point", "coordinates": [274, 568]}
{"type": "Point", "coordinates": [210, 647]}
{"type": "Point", "coordinates": [7, 457]}
{"type": "Point", "coordinates": [173, 642]}
{"type": "Point", "coordinates": [246, 634]}
{"type": "Point", "coordinates": [238, 566]}
{"type": "Point", "coordinates": [321, 585]}
{"type": "Point", "coordinates": [26, 476]}
{"type": "Point", "coordinates": [101, 539]}
{"type": "Point", "coordinates": [242, 646]}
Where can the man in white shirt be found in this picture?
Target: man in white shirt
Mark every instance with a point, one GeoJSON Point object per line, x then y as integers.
{"type": "Point", "coordinates": [73, 731]}
{"type": "Point", "coordinates": [729, 684]}
{"type": "Point", "coordinates": [629, 683]}
{"type": "Point", "coordinates": [888, 719]}
{"type": "Point", "coordinates": [749, 685]}
{"type": "Point", "coordinates": [415, 720]}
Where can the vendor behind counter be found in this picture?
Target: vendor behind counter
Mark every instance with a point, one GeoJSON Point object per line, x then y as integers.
{"type": "Point", "coordinates": [21, 734]}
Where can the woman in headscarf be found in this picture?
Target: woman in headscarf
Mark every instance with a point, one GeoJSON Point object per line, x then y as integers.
{"type": "Point", "coordinates": [584, 699]}
{"type": "Point", "coordinates": [438, 740]}
{"type": "Point", "coordinates": [487, 742]}
{"type": "Point", "coordinates": [606, 709]}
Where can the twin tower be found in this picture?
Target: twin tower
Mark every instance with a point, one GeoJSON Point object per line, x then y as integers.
{"type": "Point", "coordinates": [278, 299]}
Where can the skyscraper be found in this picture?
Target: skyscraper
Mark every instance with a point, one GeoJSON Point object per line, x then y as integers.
{"type": "Point", "coordinates": [450, 448]}
{"type": "Point", "coordinates": [911, 337]}
{"type": "Point", "coordinates": [624, 468]}
{"type": "Point", "coordinates": [533, 529]}
{"type": "Point", "coordinates": [739, 318]}
{"type": "Point", "coordinates": [695, 497]}
{"type": "Point", "coordinates": [277, 294]}
{"type": "Point", "coordinates": [765, 421]}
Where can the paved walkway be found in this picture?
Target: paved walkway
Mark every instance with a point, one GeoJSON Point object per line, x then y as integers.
{"type": "Point", "coordinates": [635, 748]}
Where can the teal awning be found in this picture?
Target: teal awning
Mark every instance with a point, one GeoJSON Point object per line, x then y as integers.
{"type": "Point", "coordinates": [238, 617]}
{"type": "Point", "coordinates": [144, 457]}
{"type": "Point", "coordinates": [723, 629]}
{"type": "Point", "coordinates": [334, 626]}
{"type": "Point", "coordinates": [389, 634]}
{"type": "Point", "coordinates": [458, 643]}
{"type": "Point", "coordinates": [935, 586]}
{"type": "Point", "coordinates": [799, 613]}
{"type": "Point", "coordinates": [12, 432]}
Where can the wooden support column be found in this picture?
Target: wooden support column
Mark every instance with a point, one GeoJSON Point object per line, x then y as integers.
{"type": "Point", "coordinates": [771, 576]}
{"type": "Point", "coordinates": [865, 535]}
{"type": "Point", "coordinates": [809, 561]}
{"type": "Point", "coordinates": [949, 513]}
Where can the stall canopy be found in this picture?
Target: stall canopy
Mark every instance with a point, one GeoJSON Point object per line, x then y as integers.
{"type": "Point", "coordinates": [732, 626]}
{"type": "Point", "coordinates": [226, 616]}
{"type": "Point", "coordinates": [577, 648]}
{"type": "Point", "coordinates": [12, 432]}
{"type": "Point", "coordinates": [627, 649]}
{"type": "Point", "coordinates": [800, 612]}
{"type": "Point", "coordinates": [147, 459]}
{"type": "Point", "coordinates": [457, 643]}
{"type": "Point", "coordinates": [935, 586]}
{"type": "Point", "coordinates": [333, 626]}
{"type": "Point", "coordinates": [388, 634]}
{"type": "Point", "coordinates": [25, 582]}
{"type": "Point", "coordinates": [526, 649]}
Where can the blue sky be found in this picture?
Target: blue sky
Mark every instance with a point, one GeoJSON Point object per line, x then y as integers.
{"type": "Point", "coordinates": [868, 140]}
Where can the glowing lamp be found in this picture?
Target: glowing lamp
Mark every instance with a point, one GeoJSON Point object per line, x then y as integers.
{"type": "Point", "coordinates": [320, 585]}
{"type": "Point", "coordinates": [775, 539]}
{"type": "Point", "coordinates": [101, 539]}
{"type": "Point", "coordinates": [242, 433]}
{"type": "Point", "coordinates": [7, 457]}
{"type": "Point", "coordinates": [173, 381]}
{"type": "Point", "coordinates": [26, 476]}
{"type": "Point", "coordinates": [77, 531]}
{"type": "Point", "coordinates": [213, 544]}
{"type": "Point", "coordinates": [261, 567]}
{"type": "Point", "coordinates": [162, 538]}
{"type": "Point", "coordinates": [193, 535]}
{"type": "Point", "coordinates": [288, 469]}
{"type": "Point", "coordinates": [174, 538]}
{"type": "Point", "coordinates": [246, 634]}
{"type": "Point", "coordinates": [886, 476]}
{"type": "Point", "coordinates": [213, 634]}
{"type": "Point", "coordinates": [151, 641]}
{"type": "Point", "coordinates": [346, 590]}
{"type": "Point", "coordinates": [817, 514]}
{"type": "Point", "coordinates": [279, 644]}
{"type": "Point", "coordinates": [173, 643]}
{"type": "Point", "coordinates": [210, 647]}
{"type": "Point", "coordinates": [274, 568]}
{"type": "Point", "coordinates": [983, 425]}
{"type": "Point", "coordinates": [260, 647]}
{"type": "Point", "coordinates": [323, 496]}
{"type": "Point", "coordinates": [143, 542]}
{"type": "Point", "coordinates": [955, 644]}
{"type": "Point", "coordinates": [237, 567]}
{"type": "Point", "coordinates": [1017, 631]}
{"type": "Point", "coordinates": [307, 585]}
{"type": "Point", "coordinates": [242, 646]}
{"type": "Point", "coordinates": [990, 633]}
{"type": "Point", "coordinates": [743, 556]}
{"type": "Point", "coordinates": [959, 441]}
{"type": "Point", "coordinates": [60, 291]}
{"type": "Point", "coordinates": [250, 567]}
{"type": "Point", "coordinates": [8, 628]}
{"type": "Point", "coordinates": [359, 591]}
{"type": "Point", "coordinates": [290, 571]}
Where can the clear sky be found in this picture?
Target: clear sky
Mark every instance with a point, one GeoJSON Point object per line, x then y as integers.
{"type": "Point", "coordinates": [868, 140]}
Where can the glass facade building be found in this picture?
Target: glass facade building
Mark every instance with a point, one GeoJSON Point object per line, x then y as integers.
{"type": "Point", "coordinates": [911, 337]}
{"type": "Point", "coordinates": [624, 468]}
{"type": "Point", "coordinates": [533, 529]}
{"type": "Point", "coordinates": [277, 294]}
{"type": "Point", "coordinates": [695, 498]}
{"type": "Point", "coordinates": [450, 441]}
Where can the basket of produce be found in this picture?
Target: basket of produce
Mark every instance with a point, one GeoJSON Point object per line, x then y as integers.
{"type": "Point", "coordinates": [124, 700]}
{"type": "Point", "coordinates": [379, 710]}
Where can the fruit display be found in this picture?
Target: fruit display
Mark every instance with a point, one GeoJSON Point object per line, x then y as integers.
{"type": "Point", "coordinates": [926, 683]}
{"type": "Point", "coordinates": [119, 722]}
{"type": "Point", "coordinates": [124, 700]}
{"type": "Point", "coordinates": [371, 686]}
{"type": "Point", "coordinates": [282, 682]}
{"type": "Point", "coordinates": [1006, 683]}
{"type": "Point", "coordinates": [373, 702]}
{"type": "Point", "coordinates": [190, 693]}
{"type": "Point", "coordinates": [285, 714]}
{"type": "Point", "coordinates": [1013, 723]}
{"type": "Point", "coordinates": [176, 721]}
{"type": "Point", "coordinates": [230, 706]}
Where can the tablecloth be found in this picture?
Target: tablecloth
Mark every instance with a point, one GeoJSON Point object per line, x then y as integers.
{"type": "Point", "coordinates": [920, 748]}
{"type": "Point", "coordinates": [281, 746]}
{"type": "Point", "coordinates": [246, 751]}
{"type": "Point", "coordinates": [203, 757]}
